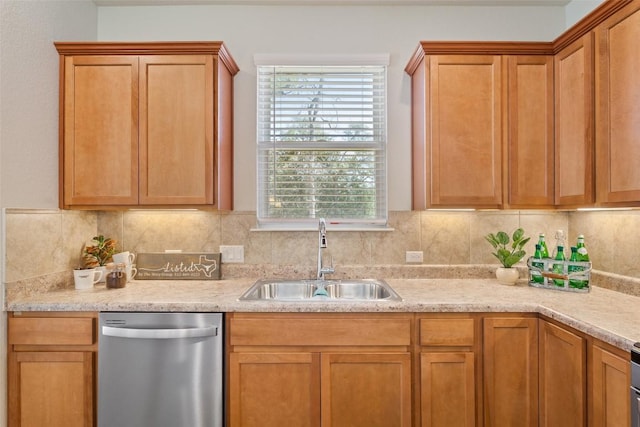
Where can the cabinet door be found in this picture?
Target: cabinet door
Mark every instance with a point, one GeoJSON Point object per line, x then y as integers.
{"type": "Point", "coordinates": [53, 389]}
{"type": "Point", "coordinates": [447, 384]}
{"type": "Point", "coordinates": [510, 372]}
{"type": "Point", "coordinates": [366, 389]}
{"type": "Point", "coordinates": [464, 157]}
{"type": "Point", "coordinates": [274, 389]}
{"type": "Point", "coordinates": [563, 381]}
{"type": "Point", "coordinates": [609, 392]}
{"type": "Point", "coordinates": [618, 107]}
{"type": "Point", "coordinates": [99, 152]}
{"type": "Point", "coordinates": [176, 129]}
{"type": "Point", "coordinates": [529, 131]}
{"type": "Point", "coordinates": [574, 150]}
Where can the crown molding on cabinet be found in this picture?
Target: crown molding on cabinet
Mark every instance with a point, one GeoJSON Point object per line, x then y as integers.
{"type": "Point", "coordinates": [146, 48]}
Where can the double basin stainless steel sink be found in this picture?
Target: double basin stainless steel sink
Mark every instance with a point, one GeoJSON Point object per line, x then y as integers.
{"type": "Point", "coordinates": [320, 290]}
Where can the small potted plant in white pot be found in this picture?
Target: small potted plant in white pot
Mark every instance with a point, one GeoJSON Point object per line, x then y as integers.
{"type": "Point", "coordinates": [508, 253]}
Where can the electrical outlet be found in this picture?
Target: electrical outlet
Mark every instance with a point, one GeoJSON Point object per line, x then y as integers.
{"type": "Point", "coordinates": [413, 256]}
{"type": "Point", "coordinates": [232, 253]}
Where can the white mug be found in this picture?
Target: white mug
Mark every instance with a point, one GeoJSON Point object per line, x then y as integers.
{"type": "Point", "coordinates": [130, 270]}
{"type": "Point", "coordinates": [86, 278]}
{"type": "Point", "coordinates": [125, 258]}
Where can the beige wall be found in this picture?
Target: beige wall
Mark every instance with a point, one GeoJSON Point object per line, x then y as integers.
{"type": "Point", "coordinates": [55, 238]}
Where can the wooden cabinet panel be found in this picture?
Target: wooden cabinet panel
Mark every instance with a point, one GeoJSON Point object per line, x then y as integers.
{"type": "Point", "coordinates": [447, 332]}
{"type": "Point", "coordinates": [529, 131]}
{"type": "Point", "coordinates": [51, 331]}
{"type": "Point", "coordinates": [618, 107]}
{"type": "Point", "coordinates": [176, 129]}
{"type": "Point", "coordinates": [510, 352]}
{"type": "Point", "coordinates": [574, 126]}
{"type": "Point", "coordinates": [53, 389]}
{"type": "Point", "coordinates": [447, 387]}
{"type": "Point", "coordinates": [563, 381]}
{"type": "Point", "coordinates": [99, 155]}
{"type": "Point", "coordinates": [465, 119]}
{"type": "Point", "coordinates": [274, 389]}
{"type": "Point", "coordinates": [366, 389]}
{"type": "Point", "coordinates": [610, 376]}
{"type": "Point", "coordinates": [354, 330]}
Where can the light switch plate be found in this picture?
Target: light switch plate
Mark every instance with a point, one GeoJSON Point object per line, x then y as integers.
{"type": "Point", "coordinates": [413, 256]}
{"type": "Point", "coordinates": [232, 253]}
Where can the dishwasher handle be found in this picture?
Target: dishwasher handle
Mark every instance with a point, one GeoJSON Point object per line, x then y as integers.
{"type": "Point", "coordinates": [208, 331]}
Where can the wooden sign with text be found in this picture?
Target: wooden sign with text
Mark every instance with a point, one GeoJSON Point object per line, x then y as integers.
{"type": "Point", "coordinates": [178, 266]}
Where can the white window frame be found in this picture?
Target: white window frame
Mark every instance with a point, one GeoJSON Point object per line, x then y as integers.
{"type": "Point", "coordinates": [379, 222]}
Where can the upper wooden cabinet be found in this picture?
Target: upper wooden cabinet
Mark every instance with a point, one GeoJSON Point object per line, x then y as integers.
{"type": "Point", "coordinates": [482, 125]}
{"type": "Point", "coordinates": [529, 131]}
{"type": "Point", "coordinates": [146, 124]}
{"type": "Point", "coordinates": [618, 108]}
{"type": "Point", "coordinates": [574, 126]}
{"type": "Point", "coordinates": [457, 122]}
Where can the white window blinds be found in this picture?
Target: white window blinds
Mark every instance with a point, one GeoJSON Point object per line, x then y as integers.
{"type": "Point", "coordinates": [322, 144]}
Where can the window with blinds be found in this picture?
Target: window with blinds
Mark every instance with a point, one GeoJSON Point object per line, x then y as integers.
{"type": "Point", "coordinates": [322, 144]}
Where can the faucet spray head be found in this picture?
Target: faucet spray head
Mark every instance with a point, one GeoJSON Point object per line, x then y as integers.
{"type": "Point", "coordinates": [322, 228]}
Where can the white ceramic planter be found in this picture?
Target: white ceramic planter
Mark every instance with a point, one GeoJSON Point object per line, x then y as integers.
{"type": "Point", "coordinates": [507, 276]}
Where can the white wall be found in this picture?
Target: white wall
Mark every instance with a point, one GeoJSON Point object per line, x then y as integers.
{"type": "Point", "coordinates": [327, 29]}
{"type": "Point", "coordinates": [29, 93]}
{"type": "Point", "coordinates": [578, 9]}
{"type": "Point", "coordinates": [29, 110]}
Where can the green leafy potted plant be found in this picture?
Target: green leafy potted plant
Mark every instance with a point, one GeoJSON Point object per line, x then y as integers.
{"type": "Point", "coordinates": [99, 254]}
{"type": "Point", "coordinates": [509, 251]}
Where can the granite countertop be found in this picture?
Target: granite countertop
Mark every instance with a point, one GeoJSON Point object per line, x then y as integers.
{"type": "Point", "coordinates": [608, 315]}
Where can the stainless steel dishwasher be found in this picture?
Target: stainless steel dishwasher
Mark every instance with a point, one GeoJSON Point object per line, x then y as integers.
{"type": "Point", "coordinates": [160, 370]}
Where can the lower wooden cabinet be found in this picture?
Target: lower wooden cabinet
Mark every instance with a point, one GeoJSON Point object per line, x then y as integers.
{"type": "Point", "coordinates": [447, 387]}
{"type": "Point", "coordinates": [351, 369]}
{"type": "Point", "coordinates": [312, 369]}
{"type": "Point", "coordinates": [274, 389]}
{"type": "Point", "coordinates": [365, 389]}
{"type": "Point", "coordinates": [563, 377]}
{"type": "Point", "coordinates": [448, 345]}
{"type": "Point", "coordinates": [510, 361]}
{"type": "Point", "coordinates": [51, 369]}
{"type": "Point", "coordinates": [610, 376]}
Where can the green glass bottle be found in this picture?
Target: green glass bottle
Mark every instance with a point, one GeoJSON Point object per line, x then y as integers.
{"type": "Point", "coordinates": [576, 283]}
{"type": "Point", "coordinates": [535, 275]}
{"type": "Point", "coordinates": [583, 255]}
{"type": "Point", "coordinates": [543, 246]}
{"type": "Point", "coordinates": [558, 268]}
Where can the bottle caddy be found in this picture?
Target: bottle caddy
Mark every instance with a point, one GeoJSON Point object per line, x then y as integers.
{"type": "Point", "coordinates": [557, 272]}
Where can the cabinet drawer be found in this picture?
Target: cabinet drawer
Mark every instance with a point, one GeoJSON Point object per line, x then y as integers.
{"type": "Point", "coordinates": [51, 331]}
{"type": "Point", "coordinates": [320, 330]}
{"type": "Point", "coordinates": [447, 332]}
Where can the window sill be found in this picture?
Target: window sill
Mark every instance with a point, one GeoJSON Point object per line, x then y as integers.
{"type": "Point", "coordinates": [330, 227]}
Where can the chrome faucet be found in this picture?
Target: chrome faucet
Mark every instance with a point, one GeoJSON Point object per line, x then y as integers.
{"type": "Point", "coordinates": [322, 244]}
